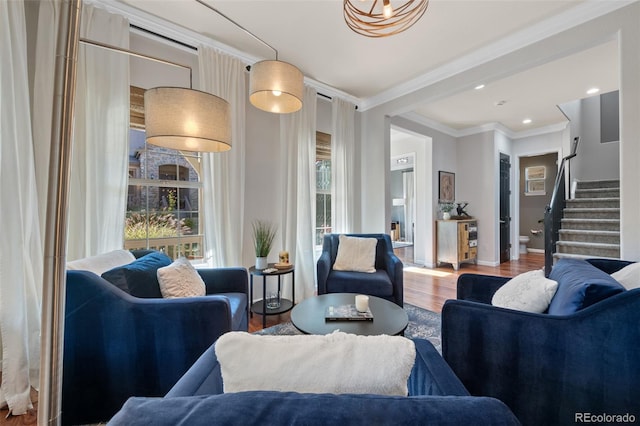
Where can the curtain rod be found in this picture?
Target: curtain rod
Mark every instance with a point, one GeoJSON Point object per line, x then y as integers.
{"type": "Point", "coordinates": [172, 40]}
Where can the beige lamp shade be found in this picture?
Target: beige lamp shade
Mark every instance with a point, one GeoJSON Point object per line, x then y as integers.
{"type": "Point", "coordinates": [276, 86]}
{"type": "Point", "coordinates": [187, 120]}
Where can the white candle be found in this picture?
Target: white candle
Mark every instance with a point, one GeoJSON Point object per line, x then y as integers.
{"type": "Point", "coordinates": [362, 303]}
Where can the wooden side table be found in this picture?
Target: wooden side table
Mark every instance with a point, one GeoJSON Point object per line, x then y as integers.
{"type": "Point", "coordinates": [260, 307]}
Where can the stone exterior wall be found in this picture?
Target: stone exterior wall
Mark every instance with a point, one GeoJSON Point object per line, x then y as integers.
{"type": "Point", "coordinates": [150, 163]}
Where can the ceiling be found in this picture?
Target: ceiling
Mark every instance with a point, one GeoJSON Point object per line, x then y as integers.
{"type": "Point", "coordinates": [312, 35]}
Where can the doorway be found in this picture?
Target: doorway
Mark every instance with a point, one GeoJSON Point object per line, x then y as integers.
{"type": "Point", "coordinates": [505, 212]}
{"type": "Point", "coordinates": [403, 207]}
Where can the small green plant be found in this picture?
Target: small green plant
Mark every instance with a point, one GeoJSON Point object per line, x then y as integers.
{"type": "Point", "coordinates": [263, 235]}
{"type": "Point", "coordinates": [447, 207]}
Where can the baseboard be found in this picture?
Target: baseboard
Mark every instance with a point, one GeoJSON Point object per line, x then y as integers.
{"type": "Point", "coordinates": [485, 263]}
{"type": "Point", "coordinates": [534, 250]}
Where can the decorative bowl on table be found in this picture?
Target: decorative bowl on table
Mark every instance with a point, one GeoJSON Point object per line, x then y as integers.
{"type": "Point", "coordinates": [283, 265]}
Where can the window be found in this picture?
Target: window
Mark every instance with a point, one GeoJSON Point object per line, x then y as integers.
{"type": "Point", "coordinates": [535, 180]}
{"type": "Point", "coordinates": [163, 197]}
{"type": "Point", "coordinates": [323, 186]}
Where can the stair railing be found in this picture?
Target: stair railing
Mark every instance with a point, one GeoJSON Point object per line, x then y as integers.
{"type": "Point", "coordinates": [553, 211]}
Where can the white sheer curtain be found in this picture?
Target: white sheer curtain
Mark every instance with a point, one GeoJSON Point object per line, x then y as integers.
{"type": "Point", "coordinates": [223, 173]}
{"type": "Point", "coordinates": [298, 149]}
{"type": "Point", "coordinates": [342, 166]}
{"type": "Point", "coordinates": [21, 262]}
{"type": "Point", "coordinates": [99, 169]}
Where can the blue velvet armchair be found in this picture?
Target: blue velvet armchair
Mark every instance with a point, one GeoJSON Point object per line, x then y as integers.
{"type": "Point", "coordinates": [549, 369]}
{"type": "Point", "coordinates": [117, 345]}
{"type": "Point", "coordinates": [386, 282]}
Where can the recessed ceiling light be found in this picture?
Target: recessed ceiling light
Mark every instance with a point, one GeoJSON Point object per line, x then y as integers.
{"type": "Point", "coordinates": [592, 91]}
{"type": "Point", "coordinates": [526, 121]}
{"type": "Point", "coordinates": [479, 86]}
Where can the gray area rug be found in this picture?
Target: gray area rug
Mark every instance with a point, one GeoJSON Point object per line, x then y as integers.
{"type": "Point", "coordinates": [423, 324]}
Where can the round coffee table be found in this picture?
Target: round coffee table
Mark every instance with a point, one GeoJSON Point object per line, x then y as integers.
{"type": "Point", "coordinates": [388, 318]}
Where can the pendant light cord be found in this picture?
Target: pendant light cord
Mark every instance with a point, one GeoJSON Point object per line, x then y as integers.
{"type": "Point", "coordinates": [239, 26]}
{"type": "Point", "coordinates": [139, 55]}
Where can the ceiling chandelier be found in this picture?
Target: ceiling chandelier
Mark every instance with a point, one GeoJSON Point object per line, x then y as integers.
{"type": "Point", "coordinates": [382, 19]}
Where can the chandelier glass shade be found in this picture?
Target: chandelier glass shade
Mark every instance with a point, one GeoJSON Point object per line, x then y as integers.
{"type": "Point", "coordinates": [378, 18]}
{"type": "Point", "coordinates": [187, 120]}
{"type": "Point", "coordinates": [276, 86]}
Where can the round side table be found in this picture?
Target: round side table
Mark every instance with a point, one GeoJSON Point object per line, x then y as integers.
{"type": "Point", "coordinates": [260, 307]}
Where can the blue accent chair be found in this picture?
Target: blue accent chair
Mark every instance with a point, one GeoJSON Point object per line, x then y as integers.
{"type": "Point", "coordinates": [436, 397]}
{"type": "Point", "coordinates": [549, 368]}
{"type": "Point", "coordinates": [117, 345]}
{"type": "Point", "coordinates": [386, 282]}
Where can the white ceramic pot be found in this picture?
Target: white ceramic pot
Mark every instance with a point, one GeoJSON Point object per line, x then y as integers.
{"type": "Point", "coordinates": [446, 215]}
{"type": "Point", "coordinates": [261, 263]}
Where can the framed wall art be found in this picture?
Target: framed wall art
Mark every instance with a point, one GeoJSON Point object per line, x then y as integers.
{"type": "Point", "coordinates": [447, 187]}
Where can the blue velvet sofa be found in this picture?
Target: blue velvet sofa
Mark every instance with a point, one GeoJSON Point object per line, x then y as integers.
{"type": "Point", "coordinates": [117, 345]}
{"type": "Point", "coordinates": [436, 397]}
{"type": "Point", "coordinates": [386, 282]}
{"type": "Point", "coordinates": [550, 369]}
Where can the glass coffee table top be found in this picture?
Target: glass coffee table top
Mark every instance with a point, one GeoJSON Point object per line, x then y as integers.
{"type": "Point", "coordinates": [388, 318]}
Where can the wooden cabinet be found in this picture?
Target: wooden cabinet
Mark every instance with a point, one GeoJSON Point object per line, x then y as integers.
{"type": "Point", "coordinates": [457, 242]}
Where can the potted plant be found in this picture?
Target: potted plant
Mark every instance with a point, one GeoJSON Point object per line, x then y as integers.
{"type": "Point", "coordinates": [446, 210]}
{"type": "Point", "coordinates": [263, 235]}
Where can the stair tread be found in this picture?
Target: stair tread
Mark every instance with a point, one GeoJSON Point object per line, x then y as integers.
{"type": "Point", "coordinates": [594, 199]}
{"type": "Point", "coordinates": [579, 209]}
{"type": "Point", "coordinates": [587, 244]}
{"type": "Point", "coordinates": [589, 232]}
{"type": "Point", "coordinates": [581, 256]}
{"type": "Point", "coordinates": [578, 219]}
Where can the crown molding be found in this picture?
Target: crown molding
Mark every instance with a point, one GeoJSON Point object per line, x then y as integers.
{"type": "Point", "coordinates": [552, 128]}
{"type": "Point", "coordinates": [573, 17]}
{"type": "Point", "coordinates": [489, 127]}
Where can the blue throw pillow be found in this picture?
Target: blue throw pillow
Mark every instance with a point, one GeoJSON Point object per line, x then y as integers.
{"type": "Point", "coordinates": [139, 278]}
{"type": "Point", "coordinates": [580, 285]}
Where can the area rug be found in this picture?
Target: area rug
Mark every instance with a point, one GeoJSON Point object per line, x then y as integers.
{"type": "Point", "coordinates": [423, 324]}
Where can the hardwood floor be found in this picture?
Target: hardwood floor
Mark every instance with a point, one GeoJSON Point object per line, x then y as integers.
{"type": "Point", "coordinates": [423, 287]}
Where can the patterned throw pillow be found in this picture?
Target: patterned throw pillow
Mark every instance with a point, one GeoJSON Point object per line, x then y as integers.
{"type": "Point", "coordinates": [180, 279]}
{"type": "Point", "coordinates": [528, 292]}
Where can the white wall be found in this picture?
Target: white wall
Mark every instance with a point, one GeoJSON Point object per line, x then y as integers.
{"type": "Point", "coordinates": [595, 160]}
{"type": "Point", "coordinates": [476, 183]}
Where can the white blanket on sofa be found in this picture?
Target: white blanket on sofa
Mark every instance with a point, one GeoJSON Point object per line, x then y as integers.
{"type": "Point", "coordinates": [335, 363]}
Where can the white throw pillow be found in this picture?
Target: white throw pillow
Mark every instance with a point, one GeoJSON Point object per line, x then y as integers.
{"type": "Point", "coordinates": [629, 276]}
{"type": "Point", "coordinates": [102, 263]}
{"type": "Point", "coordinates": [180, 279]}
{"type": "Point", "coordinates": [528, 292]}
{"type": "Point", "coordinates": [334, 363]}
{"type": "Point", "coordinates": [356, 254]}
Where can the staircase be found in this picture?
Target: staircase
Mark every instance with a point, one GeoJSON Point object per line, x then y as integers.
{"type": "Point", "coordinates": [590, 225]}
